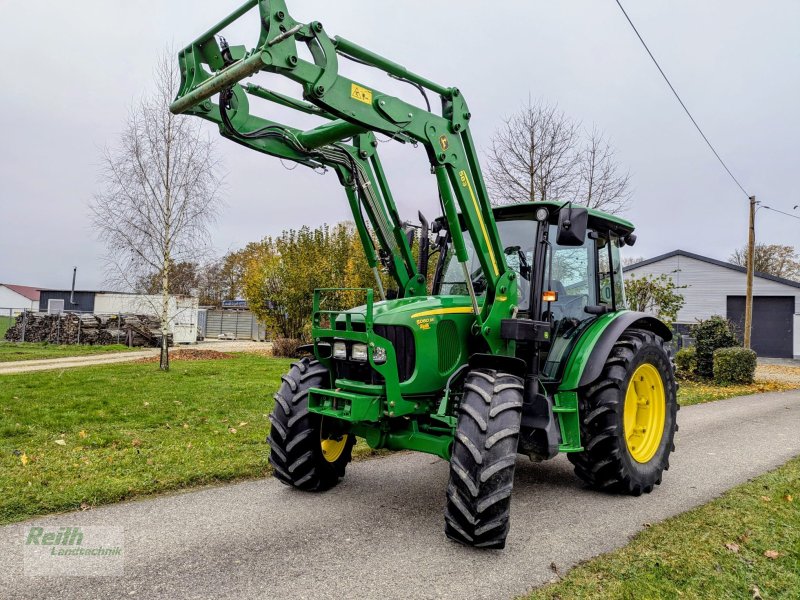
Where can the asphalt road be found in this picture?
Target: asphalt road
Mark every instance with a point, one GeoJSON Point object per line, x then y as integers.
{"type": "Point", "coordinates": [379, 533]}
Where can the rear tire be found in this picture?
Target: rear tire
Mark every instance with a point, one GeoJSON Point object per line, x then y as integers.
{"type": "Point", "coordinates": [639, 375]}
{"type": "Point", "coordinates": [300, 440]}
{"type": "Point", "coordinates": [484, 455]}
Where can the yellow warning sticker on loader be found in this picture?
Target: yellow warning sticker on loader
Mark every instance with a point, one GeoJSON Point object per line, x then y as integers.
{"type": "Point", "coordinates": [361, 94]}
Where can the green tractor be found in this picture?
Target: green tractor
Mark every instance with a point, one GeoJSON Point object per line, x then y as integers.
{"type": "Point", "coordinates": [516, 342]}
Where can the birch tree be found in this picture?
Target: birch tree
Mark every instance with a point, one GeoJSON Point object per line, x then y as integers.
{"type": "Point", "coordinates": [159, 193]}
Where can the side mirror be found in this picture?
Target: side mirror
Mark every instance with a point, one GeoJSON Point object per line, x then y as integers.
{"type": "Point", "coordinates": [424, 246]}
{"type": "Point", "coordinates": [572, 222]}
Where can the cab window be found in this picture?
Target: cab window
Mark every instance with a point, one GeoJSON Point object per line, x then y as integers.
{"type": "Point", "coordinates": [611, 291]}
{"type": "Point", "coordinates": [518, 237]}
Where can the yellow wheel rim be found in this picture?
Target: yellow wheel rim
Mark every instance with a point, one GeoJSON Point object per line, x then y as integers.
{"type": "Point", "coordinates": [332, 448]}
{"type": "Point", "coordinates": [645, 413]}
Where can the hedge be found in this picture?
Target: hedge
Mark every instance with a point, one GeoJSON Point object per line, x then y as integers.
{"type": "Point", "coordinates": [686, 361]}
{"type": "Point", "coordinates": [711, 334]}
{"type": "Point", "coordinates": [734, 365]}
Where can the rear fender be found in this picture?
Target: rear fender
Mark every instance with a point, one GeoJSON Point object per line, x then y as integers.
{"type": "Point", "coordinates": [586, 362]}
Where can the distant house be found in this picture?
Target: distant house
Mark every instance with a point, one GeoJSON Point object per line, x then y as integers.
{"type": "Point", "coordinates": [715, 287]}
{"type": "Point", "coordinates": [16, 298]}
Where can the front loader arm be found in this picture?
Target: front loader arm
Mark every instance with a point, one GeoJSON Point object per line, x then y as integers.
{"type": "Point", "coordinates": [354, 111]}
{"type": "Point", "coordinates": [356, 163]}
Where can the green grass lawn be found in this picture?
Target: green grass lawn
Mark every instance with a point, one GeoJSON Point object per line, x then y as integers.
{"type": "Point", "coordinates": [5, 323]}
{"type": "Point", "coordinates": [14, 351]}
{"type": "Point", "coordinates": [746, 544]}
{"type": "Point", "coordinates": [95, 435]}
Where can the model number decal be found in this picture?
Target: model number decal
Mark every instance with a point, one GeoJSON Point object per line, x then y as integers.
{"type": "Point", "coordinates": [425, 323]}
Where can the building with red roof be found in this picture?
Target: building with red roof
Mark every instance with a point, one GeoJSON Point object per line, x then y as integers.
{"type": "Point", "coordinates": [15, 298]}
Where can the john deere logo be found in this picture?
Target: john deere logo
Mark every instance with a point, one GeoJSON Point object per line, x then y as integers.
{"type": "Point", "coordinates": [443, 142]}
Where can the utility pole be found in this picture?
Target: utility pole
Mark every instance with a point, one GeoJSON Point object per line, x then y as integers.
{"type": "Point", "coordinates": [751, 256]}
{"type": "Point", "coordinates": [72, 293]}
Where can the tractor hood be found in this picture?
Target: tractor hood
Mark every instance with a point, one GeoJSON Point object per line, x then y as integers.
{"type": "Point", "coordinates": [425, 337]}
{"type": "Point", "coordinates": [408, 310]}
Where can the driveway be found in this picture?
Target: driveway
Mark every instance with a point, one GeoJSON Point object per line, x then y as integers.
{"type": "Point", "coordinates": [785, 371]}
{"type": "Point", "coordinates": [379, 533]}
{"type": "Point", "coordinates": [70, 362]}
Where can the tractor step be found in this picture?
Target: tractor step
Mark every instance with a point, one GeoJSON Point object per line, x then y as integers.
{"type": "Point", "coordinates": [566, 409]}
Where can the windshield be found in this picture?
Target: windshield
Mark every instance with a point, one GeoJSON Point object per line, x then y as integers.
{"type": "Point", "coordinates": [518, 239]}
{"type": "Point", "coordinates": [571, 278]}
{"type": "Point", "coordinates": [570, 271]}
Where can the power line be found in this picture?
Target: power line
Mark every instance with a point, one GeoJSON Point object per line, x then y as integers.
{"type": "Point", "coordinates": [780, 211]}
{"type": "Point", "coordinates": [671, 87]}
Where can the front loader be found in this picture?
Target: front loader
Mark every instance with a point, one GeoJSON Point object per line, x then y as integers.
{"type": "Point", "coordinates": [517, 342]}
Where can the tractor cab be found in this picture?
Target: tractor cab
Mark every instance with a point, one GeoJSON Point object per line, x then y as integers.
{"type": "Point", "coordinates": [566, 281]}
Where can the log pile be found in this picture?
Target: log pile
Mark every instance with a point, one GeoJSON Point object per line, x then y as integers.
{"type": "Point", "coordinates": [96, 330]}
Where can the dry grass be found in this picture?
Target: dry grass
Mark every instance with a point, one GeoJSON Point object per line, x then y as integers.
{"type": "Point", "coordinates": [782, 373]}
{"type": "Point", "coordinates": [188, 354]}
{"type": "Point", "coordinates": [698, 392]}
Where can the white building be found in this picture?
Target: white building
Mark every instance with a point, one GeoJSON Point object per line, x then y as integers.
{"type": "Point", "coordinates": [182, 311]}
{"type": "Point", "coordinates": [16, 298]}
{"type": "Point", "coordinates": [715, 287]}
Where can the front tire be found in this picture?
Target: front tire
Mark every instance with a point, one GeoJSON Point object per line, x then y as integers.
{"type": "Point", "coordinates": [628, 417]}
{"type": "Point", "coordinates": [307, 452]}
{"type": "Point", "coordinates": [478, 506]}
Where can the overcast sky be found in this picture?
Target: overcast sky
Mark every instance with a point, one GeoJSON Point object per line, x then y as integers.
{"type": "Point", "coordinates": [71, 70]}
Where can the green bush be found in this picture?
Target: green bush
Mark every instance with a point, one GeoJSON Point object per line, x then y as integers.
{"type": "Point", "coordinates": [734, 365]}
{"type": "Point", "coordinates": [712, 334]}
{"type": "Point", "coordinates": [686, 361]}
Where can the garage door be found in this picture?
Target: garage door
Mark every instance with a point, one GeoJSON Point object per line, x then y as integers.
{"type": "Point", "coordinates": [772, 323]}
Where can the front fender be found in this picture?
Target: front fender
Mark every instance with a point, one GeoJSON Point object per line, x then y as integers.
{"type": "Point", "coordinates": [593, 348]}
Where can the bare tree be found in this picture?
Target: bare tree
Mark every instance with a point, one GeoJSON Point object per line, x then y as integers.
{"type": "Point", "coordinates": [601, 184]}
{"type": "Point", "coordinates": [532, 156]}
{"type": "Point", "coordinates": [540, 154]}
{"type": "Point", "coordinates": [773, 259]}
{"type": "Point", "coordinates": [160, 192]}
{"type": "Point", "coordinates": [627, 261]}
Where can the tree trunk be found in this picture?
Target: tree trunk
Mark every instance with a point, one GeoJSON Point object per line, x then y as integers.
{"type": "Point", "coordinates": [164, 364]}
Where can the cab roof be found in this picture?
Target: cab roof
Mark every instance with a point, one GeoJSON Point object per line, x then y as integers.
{"type": "Point", "coordinates": [598, 220]}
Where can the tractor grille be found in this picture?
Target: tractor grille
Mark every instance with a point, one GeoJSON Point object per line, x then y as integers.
{"type": "Point", "coordinates": [402, 339]}
{"type": "Point", "coordinates": [447, 341]}
{"type": "Point", "coordinates": [356, 371]}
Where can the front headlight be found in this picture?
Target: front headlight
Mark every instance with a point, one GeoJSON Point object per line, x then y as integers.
{"type": "Point", "coordinates": [379, 355]}
{"type": "Point", "coordinates": [339, 350]}
{"type": "Point", "coordinates": [359, 352]}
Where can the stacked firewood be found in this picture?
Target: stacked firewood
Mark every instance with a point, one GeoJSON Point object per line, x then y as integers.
{"type": "Point", "coordinates": [74, 328]}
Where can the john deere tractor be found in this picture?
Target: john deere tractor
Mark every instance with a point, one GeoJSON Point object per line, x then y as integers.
{"type": "Point", "coordinates": [517, 342]}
